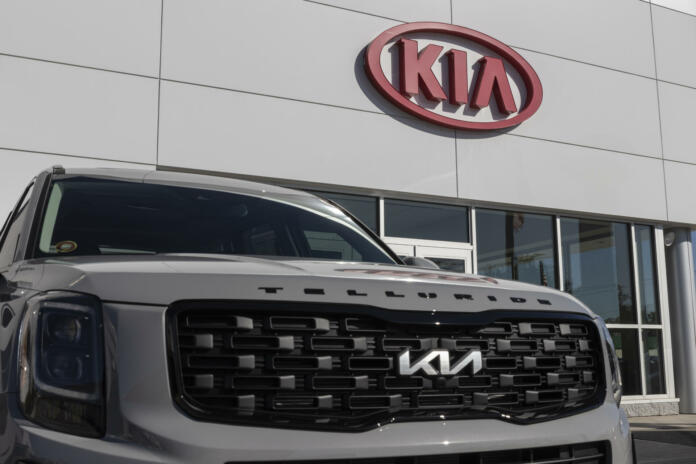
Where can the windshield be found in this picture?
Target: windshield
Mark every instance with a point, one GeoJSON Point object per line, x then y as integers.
{"type": "Point", "coordinates": [92, 216]}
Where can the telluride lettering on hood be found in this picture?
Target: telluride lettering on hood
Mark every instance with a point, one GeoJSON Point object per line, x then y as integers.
{"type": "Point", "coordinates": [453, 76]}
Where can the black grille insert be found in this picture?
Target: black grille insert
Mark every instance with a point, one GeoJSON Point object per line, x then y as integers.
{"type": "Point", "coordinates": [307, 365]}
{"type": "Point", "coordinates": [581, 453]}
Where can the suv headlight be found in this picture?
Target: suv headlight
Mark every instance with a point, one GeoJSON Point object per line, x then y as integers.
{"type": "Point", "coordinates": [61, 363]}
{"type": "Point", "coordinates": [616, 383]}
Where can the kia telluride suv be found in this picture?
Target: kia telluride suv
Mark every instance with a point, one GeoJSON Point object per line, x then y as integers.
{"type": "Point", "coordinates": [154, 317]}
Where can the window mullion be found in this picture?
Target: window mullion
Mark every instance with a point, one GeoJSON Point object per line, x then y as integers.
{"type": "Point", "coordinates": [474, 245]}
{"type": "Point", "coordinates": [634, 271]}
{"type": "Point", "coordinates": [637, 302]}
{"type": "Point", "coordinates": [559, 255]}
{"type": "Point", "coordinates": [663, 308]}
{"type": "Point", "coordinates": [380, 213]}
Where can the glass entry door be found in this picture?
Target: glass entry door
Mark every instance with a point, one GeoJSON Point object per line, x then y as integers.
{"type": "Point", "coordinates": [454, 258]}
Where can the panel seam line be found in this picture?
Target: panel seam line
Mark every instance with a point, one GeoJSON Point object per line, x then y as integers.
{"type": "Point", "coordinates": [68, 155]}
{"type": "Point", "coordinates": [659, 113]}
{"type": "Point", "coordinates": [73, 65]}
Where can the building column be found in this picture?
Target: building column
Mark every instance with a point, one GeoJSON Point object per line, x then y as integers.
{"type": "Point", "coordinates": [682, 308]}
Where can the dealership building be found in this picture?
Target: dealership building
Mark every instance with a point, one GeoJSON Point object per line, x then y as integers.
{"type": "Point", "coordinates": [546, 141]}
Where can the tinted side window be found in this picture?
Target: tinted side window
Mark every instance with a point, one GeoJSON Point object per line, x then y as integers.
{"type": "Point", "coordinates": [13, 229]}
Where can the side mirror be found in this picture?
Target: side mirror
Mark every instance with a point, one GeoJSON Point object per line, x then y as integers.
{"type": "Point", "coordinates": [417, 261]}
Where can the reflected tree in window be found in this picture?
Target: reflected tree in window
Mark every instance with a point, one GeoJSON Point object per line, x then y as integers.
{"type": "Point", "coordinates": [597, 267]}
{"type": "Point", "coordinates": [517, 246]}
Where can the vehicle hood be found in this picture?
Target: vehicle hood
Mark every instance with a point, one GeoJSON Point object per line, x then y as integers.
{"type": "Point", "coordinates": [165, 279]}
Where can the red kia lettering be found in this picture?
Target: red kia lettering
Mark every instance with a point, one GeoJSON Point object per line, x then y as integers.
{"type": "Point", "coordinates": [490, 73]}
{"type": "Point", "coordinates": [416, 70]}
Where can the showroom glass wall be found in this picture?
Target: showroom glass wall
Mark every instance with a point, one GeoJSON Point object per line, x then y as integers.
{"type": "Point", "coordinates": [612, 267]}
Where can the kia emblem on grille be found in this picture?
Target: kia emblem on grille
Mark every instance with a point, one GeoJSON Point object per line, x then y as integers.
{"type": "Point", "coordinates": [424, 363]}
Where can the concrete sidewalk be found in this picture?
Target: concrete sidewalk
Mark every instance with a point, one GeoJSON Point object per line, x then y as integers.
{"type": "Point", "coordinates": [665, 439]}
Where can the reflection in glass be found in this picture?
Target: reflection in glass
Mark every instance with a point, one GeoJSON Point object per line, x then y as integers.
{"type": "Point", "coordinates": [449, 264]}
{"type": "Point", "coordinates": [597, 267]}
{"type": "Point", "coordinates": [645, 254]}
{"type": "Point", "coordinates": [516, 246]}
{"type": "Point", "coordinates": [654, 362]}
{"type": "Point", "coordinates": [626, 344]}
{"type": "Point", "coordinates": [427, 221]}
{"type": "Point", "coordinates": [362, 207]}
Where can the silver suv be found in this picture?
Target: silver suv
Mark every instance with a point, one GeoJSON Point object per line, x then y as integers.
{"type": "Point", "coordinates": [152, 317]}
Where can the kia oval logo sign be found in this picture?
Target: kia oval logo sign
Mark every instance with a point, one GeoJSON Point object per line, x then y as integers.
{"type": "Point", "coordinates": [453, 76]}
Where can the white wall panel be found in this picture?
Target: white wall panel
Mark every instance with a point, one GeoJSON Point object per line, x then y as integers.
{"type": "Point", "coordinates": [314, 57]}
{"type": "Point", "coordinates": [675, 42]}
{"type": "Point", "coordinates": [62, 109]}
{"type": "Point", "coordinates": [24, 166]}
{"type": "Point", "coordinates": [403, 10]}
{"type": "Point", "coordinates": [595, 107]}
{"type": "Point", "coordinates": [521, 171]}
{"type": "Point", "coordinates": [220, 130]}
{"type": "Point", "coordinates": [121, 35]}
{"type": "Point", "coordinates": [614, 33]}
{"type": "Point", "coordinates": [681, 191]}
{"type": "Point", "coordinates": [288, 48]}
{"type": "Point", "coordinates": [677, 105]}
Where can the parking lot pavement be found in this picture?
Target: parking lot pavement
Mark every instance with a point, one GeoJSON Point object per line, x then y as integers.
{"type": "Point", "coordinates": [665, 439]}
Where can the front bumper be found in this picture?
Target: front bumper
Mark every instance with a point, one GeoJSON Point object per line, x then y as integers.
{"type": "Point", "coordinates": [144, 425]}
{"type": "Point", "coordinates": [166, 436]}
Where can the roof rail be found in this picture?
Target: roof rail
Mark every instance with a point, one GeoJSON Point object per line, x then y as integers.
{"type": "Point", "coordinates": [58, 169]}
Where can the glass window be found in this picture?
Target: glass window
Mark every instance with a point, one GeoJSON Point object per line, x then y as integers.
{"type": "Point", "coordinates": [427, 221]}
{"type": "Point", "coordinates": [654, 362]}
{"type": "Point", "coordinates": [647, 282]}
{"type": "Point", "coordinates": [9, 246]}
{"type": "Point", "coordinates": [362, 207]}
{"type": "Point", "coordinates": [516, 246]}
{"type": "Point", "coordinates": [597, 267]}
{"type": "Point", "coordinates": [449, 264]}
{"type": "Point", "coordinates": [330, 245]}
{"type": "Point", "coordinates": [626, 344]}
{"type": "Point", "coordinates": [86, 216]}
{"type": "Point", "coordinates": [12, 229]}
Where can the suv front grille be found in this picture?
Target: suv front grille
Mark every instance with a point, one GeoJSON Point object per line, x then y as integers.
{"type": "Point", "coordinates": [581, 453]}
{"type": "Point", "coordinates": [308, 365]}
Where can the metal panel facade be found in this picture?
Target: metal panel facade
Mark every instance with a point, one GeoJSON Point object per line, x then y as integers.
{"type": "Point", "coordinates": [290, 100]}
